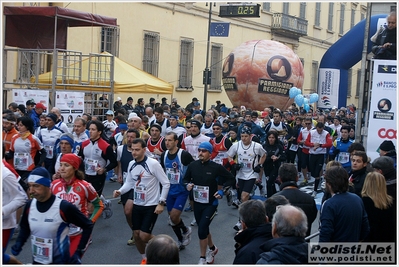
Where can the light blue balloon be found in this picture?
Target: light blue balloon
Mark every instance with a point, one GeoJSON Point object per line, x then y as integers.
{"type": "Point", "coordinates": [305, 101]}
{"type": "Point", "coordinates": [313, 98]}
{"type": "Point", "coordinates": [299, 100]}
{"type": "Point", "coordinates": [306, 107]}
{"type": "Point", "coordinates": [293, 92]}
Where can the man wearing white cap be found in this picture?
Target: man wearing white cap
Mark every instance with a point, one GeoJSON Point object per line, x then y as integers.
{"type": "Point", "coordinates": [118, 104]}
{"type": "Point", "coordinates": [50, 238]}
{"type": "Point", "coordinates": [109, 123]}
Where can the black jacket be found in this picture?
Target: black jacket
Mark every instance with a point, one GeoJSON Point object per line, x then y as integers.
{"type": "Point", "coordinates": [284, 250]}
{"type": "Point", "coordinates": [386, 36]}
{"type": "Point", "coordinates": [358, 181]}
{"type": "Point", "coordinates": [300, 199]}
{"type": "Point", "coordinates": [249, 241]}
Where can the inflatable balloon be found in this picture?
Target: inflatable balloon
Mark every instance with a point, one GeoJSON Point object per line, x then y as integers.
{"type": "Point", "coordinates": [294, 92]}
{"type": "Point", "coordinates": [299, 100]}
{"type": "Point", "coordinates": [313, 98]}
{"type": "Point", "coordinates": [305, 101]}
{"type": "Point", "coordinates": [306, 107]}
{"type": "Point", "coordinates": [260, 73]}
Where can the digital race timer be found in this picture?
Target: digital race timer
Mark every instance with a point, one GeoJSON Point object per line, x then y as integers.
{"type": "Point", "coordinates": [239, 10]}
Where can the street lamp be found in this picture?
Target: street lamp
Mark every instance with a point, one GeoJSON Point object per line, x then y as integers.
{"type": "Point", "coordinates": [206, 72]}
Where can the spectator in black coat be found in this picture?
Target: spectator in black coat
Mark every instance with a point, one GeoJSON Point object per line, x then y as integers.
{"type": "Point", "coordinates": [385, 166]}
{"type": "Point", "coordinates": [256, 231]}
{"type": "Point", "coordinates": [288, 176]}
{"type": "Point", "coordinates": [385, 43]}
{"type": "Point", "coordinates": [358, 172]}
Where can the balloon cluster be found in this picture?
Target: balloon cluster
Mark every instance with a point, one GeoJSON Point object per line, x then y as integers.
{"type": "Point", "coordinates": [300, 100]}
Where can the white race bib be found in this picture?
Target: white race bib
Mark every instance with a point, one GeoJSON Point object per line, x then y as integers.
{"type": "Point", "coordinates": [343, 157]}
{"type": "Point", "coordinates": [21, 161]}
{"type": "Point", "coordinates": [42, 249]}
{"type": "Point", "coordinates": [173, 175]}
{"type": "Point", "coordinates": [49, 151]}
{"type": "Point", "coordinates": [201, 194]}
{"type": "Point", "coordinates": [140, 194]}
{"type": "Point", "coordinates": [91, 166]}
{"type": "Point", "coordinates": [293, 147]}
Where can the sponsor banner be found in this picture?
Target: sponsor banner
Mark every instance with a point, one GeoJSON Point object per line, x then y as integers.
{"type": "Point", "coordinates": [328, 87]}
{"type": "Point", "coordinates": [71, 105]}
{"type": "Point", "coordinates": [347, 252]}
{"type": "Point", "coordinates": [20, 96]}
{"type": "Point", "coordinates": [383, 107]}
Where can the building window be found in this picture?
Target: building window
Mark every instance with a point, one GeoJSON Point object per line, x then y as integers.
{"type": "Point", "coordinates": [151, 53]}
{"type": "Point", "coordinates": [302, 10]}
{"type": "Point", "coordinates": [313, 78]}
{"type": "Point", "coordinates": [286, 8]}
{"type": "Point", "coordinates": [110, 40]}
{"type": "Point", "coordinates": [349, 93]}
{"type": "Point", "coordinates": [342, 19]}
{"type": "Point", "coordinates": [266, 6]}
{"type": "Point", "coordinates": [186, 63]}
{"type": "Point", "coordinates": [359, 73]}
{"type": "Point", "coordinates": [353, 11]}
{"type": "Point", "coordinates": [216, 66]}
{"type": "Point", "coordinates": [330, 16]}
{"type": "Point", "coordinates": [317, 15]}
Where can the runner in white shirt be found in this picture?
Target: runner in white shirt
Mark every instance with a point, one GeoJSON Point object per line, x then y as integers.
{"type": "Point", "coordinates": [109, 123]}
{"type": "Point", "coordinates": [145, 176]}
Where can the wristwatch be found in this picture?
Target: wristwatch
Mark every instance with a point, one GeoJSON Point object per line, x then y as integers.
{"type": "Point", "coordinates": [162, 202]}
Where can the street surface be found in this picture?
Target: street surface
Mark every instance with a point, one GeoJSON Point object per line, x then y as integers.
{"type": "Point", "coordinates": [110, 236]}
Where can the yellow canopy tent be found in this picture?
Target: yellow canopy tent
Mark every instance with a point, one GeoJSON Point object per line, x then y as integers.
{"type": "Point", "coordinates": [127, 78]}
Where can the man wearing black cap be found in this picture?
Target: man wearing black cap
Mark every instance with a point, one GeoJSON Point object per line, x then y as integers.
{"type": "Point", "coordinates": [30, 105]}
{"type": "Point", "coordinates": [387, 148]}
{"type": "Point", "coordinates": [191, 105]}
{"type": "Point", "coordinates": [164, 99]}
{"type": "Point", "coordinates": [152, 103]}
{"type": "Point", "coordinates": [387, 167]}
{"type": "Point", "coordinates": [128, 106]}
{"type": "Point", "coordinates": [50, 138]}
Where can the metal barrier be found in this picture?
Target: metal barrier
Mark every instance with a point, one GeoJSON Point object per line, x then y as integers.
{"type": "Point", "coordinates": [312, 236]}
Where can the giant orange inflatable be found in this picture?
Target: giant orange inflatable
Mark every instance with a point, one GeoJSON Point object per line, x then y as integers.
{"type": "Point", "coordinates": [260, 73]}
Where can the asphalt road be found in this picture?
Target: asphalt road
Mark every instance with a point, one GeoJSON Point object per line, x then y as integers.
{"type": "Point", "coordinates": [110, 236]}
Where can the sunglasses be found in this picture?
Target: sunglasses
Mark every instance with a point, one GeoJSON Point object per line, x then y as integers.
{"type": "Point", "coordinates": [202, 150]}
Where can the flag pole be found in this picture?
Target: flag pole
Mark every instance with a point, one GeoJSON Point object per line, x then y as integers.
{"type": "Point", "coordinates": [207, 56]}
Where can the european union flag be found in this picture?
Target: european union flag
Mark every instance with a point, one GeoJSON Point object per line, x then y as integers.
{"type": "Point", "coordinates": [220, 29]}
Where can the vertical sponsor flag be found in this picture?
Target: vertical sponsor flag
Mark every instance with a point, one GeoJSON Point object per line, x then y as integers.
{"type": "Point", "coordinates": [220, 29]}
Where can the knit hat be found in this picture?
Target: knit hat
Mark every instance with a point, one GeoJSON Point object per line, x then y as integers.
{"type": "Point", "coordinates": [71, 159]}
{"type": "Point", "coordinates": [196, 123]}
{"type": "Point", "coordinates": [67, 137]}
{"type": "Point", "coordinates": [52, 116]}
{"type": "Point", "coordinates": [174, 116]}
{"type": "Point", "coordinates": [21, 107]}
{"type": "Point", "coordinates": [217, 124]}
{"type": "Point", "coordinates": [156, 126]}
{"type": "Point", "coordinates": [207, 146]}
{"type": "Point", "coordinates": [122, 126]}
{"type": "Point", "coordinates": [224, 109]}
{"type": "Point", "coordinates": [387, 145]}
{"type": "Point", "coordinates": [40, 176]}
{"type": "Point", "coordinates": [131, 115]}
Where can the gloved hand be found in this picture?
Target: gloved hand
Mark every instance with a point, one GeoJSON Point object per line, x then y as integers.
{"type": "Point", "coordinates": [258, 168]}
{"type": "Point", "coordinates": [237, 167]}
{"type": "Point", "coordinates": [336, 152]}
{"type": "Point", "coordinates": [16, 249]}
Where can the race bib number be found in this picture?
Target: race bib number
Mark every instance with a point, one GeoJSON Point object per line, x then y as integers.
{"type": "Point", "coordinates": [219, 158]}
{"type": "Point", "coordinates": [42, 249]}
{"type": "Point", "coordinates": [91, 166]}
{"type": "Point", "coordinates": [21, 161]}
{"type": "Point", "coordinates": [173, 175]}
{"type": "Point", "coordinates": [293, 147]}
{"type": "Point", "coordinates": [245, 165]}
{"type": "Point", "coordinates": [343, 157]}
{"type": "Point", "coordinates": [140, 194]}
{"type": "Point", "coordinates": [201, 194]}
{"type": "Point", "coordinates": [49, 152]}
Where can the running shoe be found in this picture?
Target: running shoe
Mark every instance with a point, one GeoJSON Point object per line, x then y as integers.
{"type": "Point", "coordinates": [189, 208]}
{"type": "Point", "coordinates": [210, 255]}
{"type": "Point", "coordinates": [180, 245]}
{"type": "Point", "coordinates": [304, 182]}
{"type": "Point", "coordinates": [113, 178]}
{"type": "Point", "coordinates": [262, 191]}
{"type": "Point", "coordinates": [143, 261]}
{"type": "Point", "coordinates": [131, 241]}
{"type": "Point", "coordinates": [202, 261]}
{"type": "Point", "coordinates": [193, 222]}
{"type": "Point", "coordinates": [107, 213]}
{"type": "Point", "coordinates": [187, 236]}
{"type": "Point", "coordinates": [238, 226]}
{"type": "Point", "coordinates": [229, 198]}
{"type": "Point", "coordinates": [236, 203]}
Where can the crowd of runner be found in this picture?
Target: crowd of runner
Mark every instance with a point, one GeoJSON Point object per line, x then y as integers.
{"type": "Point", "coordinates": [165, 155]}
